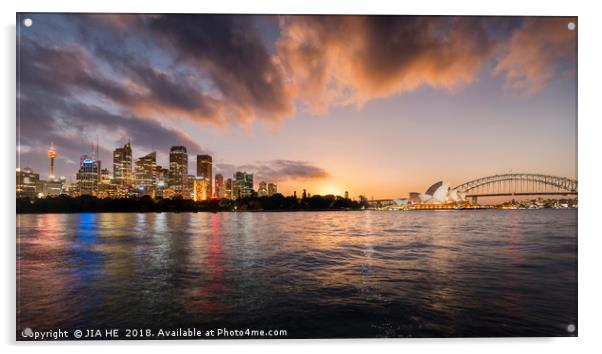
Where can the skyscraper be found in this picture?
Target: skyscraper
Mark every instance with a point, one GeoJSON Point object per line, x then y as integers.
{"type": "Point", "coordinates": [51, 156]}
{"type": "Point", "coordinates": [204, 168]}
{"type": "Point", "coordinates": [27, 182]}
{"type": "Point", "coordinates": [243, 185]}
{"type": "Point", "coordinates": [219, 186]}
{"type": "Point", "coordinates": [178, 169]}
{"type": "Point", "coordinates": [200, 189]}
{"type": "Point", "coordinates": [146, 173]}
{"type": "Point", "coordinates": [272, 189]}
{"type": "Point", "coordinates": [262, 190]}
{"type": "Point", "coordinates": [122, 165]}
{"type": "Point", "coordinates": [228, 189]}
{"type": "Point", "coordinates": [88, 175]}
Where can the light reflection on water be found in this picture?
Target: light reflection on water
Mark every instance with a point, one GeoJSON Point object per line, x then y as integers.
{"type": "Point", "coordinates": [315, 274]}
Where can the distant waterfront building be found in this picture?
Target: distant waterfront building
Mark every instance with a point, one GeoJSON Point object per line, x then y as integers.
{"type": "Point", "coordinates": [439, 193]}
{"type": "Point", "coordinates": [346, 195]}
{"type": "Point", "coordinates": [200, 189]}
{"type": "Point", "coordinates": [27, 182]}
{"type": "Point", "coordinates": [414, 198]}
{"type": "Point", "coordinates": [228, 189]}
{"type": "Point", "coordinates": [262, 190]}
{"type": "Point", "coordinates": [88, 175]}
{"type": "Point", "coordinates": [189, 187]}
{"type": "Point", "coordinates": [178, 169]}
{"type": "Point", "coordinates": [162, 181]}
{"type": "Point", "coordinates": [51, 156]}
{"type": "Point", "coordinates": [122, 165]}
{"type": "Point", "coordinates": [219, 186]}
{"type": "Point", "coordinates": [235, 194]}
{"type": "Point", "coordinates": [53, 187]}
{"type": "Point", "coordinates": [204, 168]}
{"type": "Point", "coordinates": [272, 189]}
{"type": "Point", "coordinates": [244, 185]}
{"type": "Point", "coordinates": [146, 169]}
{"type": "Point", "coordinates": [105, 176]}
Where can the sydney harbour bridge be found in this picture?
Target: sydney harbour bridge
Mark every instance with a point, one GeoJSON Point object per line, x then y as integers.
{"type": "Point", "coordinates": [511, 185]}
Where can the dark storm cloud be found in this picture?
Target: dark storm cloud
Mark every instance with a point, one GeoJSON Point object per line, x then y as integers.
{"type": "Point", "coordinates": [227, 49]}
{"type": "Point", "coordinates": [277, 170]}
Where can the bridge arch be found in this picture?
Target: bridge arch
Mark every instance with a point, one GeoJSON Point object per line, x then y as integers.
{"type": "Point", "coordinates": [518, 183]}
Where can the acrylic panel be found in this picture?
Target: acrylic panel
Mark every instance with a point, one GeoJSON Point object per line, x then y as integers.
{"type": "Point", "coordinates": [205, 176]}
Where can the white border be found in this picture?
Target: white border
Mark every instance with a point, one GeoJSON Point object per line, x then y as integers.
{"type": "Point", "coordinates": [589, 168]}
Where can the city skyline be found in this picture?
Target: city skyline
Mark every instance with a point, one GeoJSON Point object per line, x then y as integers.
{"type": "Point", "coordinates": [456, 107]}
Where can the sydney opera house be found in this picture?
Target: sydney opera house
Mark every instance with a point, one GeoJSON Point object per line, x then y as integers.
{"type": "Point", "coordinates": [438, 196]}
{"type": "Point", "coordinates": [438, 193]}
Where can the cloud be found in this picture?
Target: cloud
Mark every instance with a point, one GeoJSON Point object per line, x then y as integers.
{"type": "Point", "coordinates": [341, 60]}
{"type": "Point", "coordinates": [541, 50]}
{"type": "Point", "coordinates": [139, 75]}
{"type": "Point", "coordinates": [54, 82]}
{"type": "Point", "coordinates": [277, 170]}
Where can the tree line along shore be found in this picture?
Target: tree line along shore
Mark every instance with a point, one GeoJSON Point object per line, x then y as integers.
{"type": "Point", "coordinates": [91, 204]}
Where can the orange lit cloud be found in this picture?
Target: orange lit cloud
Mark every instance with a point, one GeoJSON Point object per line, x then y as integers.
{"type": "Point", "coordinates": [541, 50]}
{"type": "Point", "coordinates": [345, 60]}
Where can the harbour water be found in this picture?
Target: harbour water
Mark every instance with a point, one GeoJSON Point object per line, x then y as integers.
{"type": "Point", "coordinates": [313, 274]}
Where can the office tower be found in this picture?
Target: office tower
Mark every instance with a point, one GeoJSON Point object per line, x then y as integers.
{"type": "Point", "coordinates": [204, 168]}
{"type": "Point", "coordinates": [122, 166]}
{"type": "Point", "coordinates": [219, 186]}
{"type": "Point", "coordinates": [146, 172]}
{"type": "Point", "coordinates": [27, 182]}
{"type": "Point", "coordinates": [272, 189]}
{"type": "Point", "coordinates": [189, 190]}
{"type": "Point", "coordinates": [51, 188]}
{"type": "Point", "coordinates": [178, 169]}
{"type": "Point", "coordinates": [228, 189]}
{"type": "Point", "coordinates": [346, 195]}
{"type": "Point", "coordinates": [304, 195]}
{"type": "Point", "coordinates": [235, 188]}
{"type": "Point", "coordinates": [51, 156]}
{"type": "Point", "coordinates": [200, 189]}
{"type": "Point", "coordinates": [262, 191]}
{"type": "Point", "coordinates": [88, 175]}
{"type": "Point", "coordinates": [244, 185]}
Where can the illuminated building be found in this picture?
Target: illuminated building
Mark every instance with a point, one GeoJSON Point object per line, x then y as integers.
{"type": "Point", "coordinates": [244, 185]}
{"type": "Point", "coordinates": [122, 165]}
{"type": "Point", "coordinates": [262, 190]}
{"type": "Point", "coordinates": [53, 188]}
{"type": "Point", "coordinates": [146, 169]}
{"type": "Point", "coordinates": [204, 168]}
{"type": "Point", "coordinates": [88, 175]}
{"type": "Point", "coordinates": [439, 193]}
{"type": "Point", "coordinates": [219, 186]}
{"type": "Point", "coordinates": [178, 169]}
{"type": "Point", "coordinates": [272, 189]}
{"type": "Point", "coordinates": [228, 189]}
{"type": "Point", "coordinates": [51, 156]}
{"type": "Point", "coordinates": [105, 176]}
{"type": "Point", "coordinates": [414, 198]}
{"type": "Point", "coordinates": [235, 188]}
{"type": "Point", "coordinates": [189, 190]}
{"type": "Point", "coordinates": [200, 189]}
{"type": "Point", "coordinates": [27, 182]}
{"type": "Point", "coordinates": [162, 182]}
